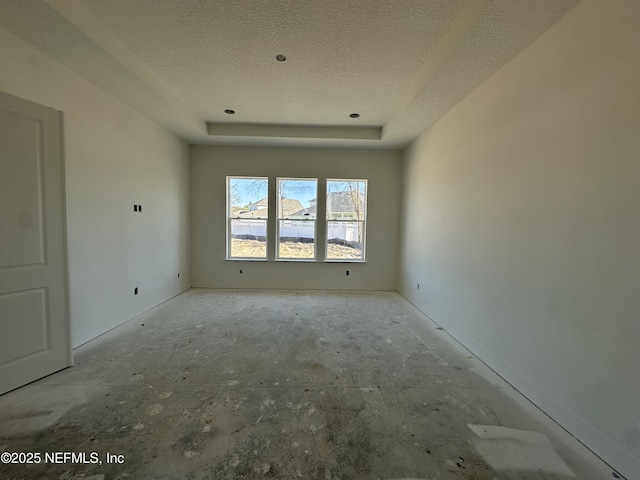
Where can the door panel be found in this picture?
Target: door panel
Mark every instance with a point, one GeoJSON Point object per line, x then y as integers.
{"type": "Point", "coordinates": [21, 212]}
{"type": "Point", "coordinates": [34, 320]}
{"type": "Point", "coordinates": [25, 315]}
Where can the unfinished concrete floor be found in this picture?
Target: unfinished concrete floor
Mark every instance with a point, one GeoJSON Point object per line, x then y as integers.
{"type": "Point", "coordinates": [228, 384]}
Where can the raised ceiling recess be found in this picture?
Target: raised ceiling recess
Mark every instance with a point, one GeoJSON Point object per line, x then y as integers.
{"type": "Point", "coordinates": [401, 64]}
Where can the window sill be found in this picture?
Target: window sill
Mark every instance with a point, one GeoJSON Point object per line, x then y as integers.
{"type": "Point", "coordinates": [246, 259]}
{"type": "Point", "coordinates": [345, 261]}
{"type": "Point", "coordinates": [294, 260]}
{"type": "Point", "coordinates": [297, 260]}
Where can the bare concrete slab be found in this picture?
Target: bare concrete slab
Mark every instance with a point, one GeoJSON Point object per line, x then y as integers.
{"type": "Point", "coordinates": [230, 384]}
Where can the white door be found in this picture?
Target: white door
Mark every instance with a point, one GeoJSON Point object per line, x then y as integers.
{"type": "Point", "coordinates": [34, 316]}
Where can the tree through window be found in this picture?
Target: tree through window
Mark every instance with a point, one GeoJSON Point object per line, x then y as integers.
{"type": "Point", "coordinates": [296, 218]}
{"type": "Point", "coordinates": [247, 217]}
{"type": "Point", "coordinates": [346, 219]}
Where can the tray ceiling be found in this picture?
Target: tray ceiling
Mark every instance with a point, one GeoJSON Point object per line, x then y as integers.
{"type": "Point", "coordinates": [399, 64]}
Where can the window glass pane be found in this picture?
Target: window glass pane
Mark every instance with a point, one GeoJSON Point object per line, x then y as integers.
{"type": "Point", "coordinates": [346, 199]}
{"type": "Point", "coordinates": [248, 238]}
{"type": "Point", "coordinates": [248, 197]}
{"type": "Point", "coordinates": [297, 239]}
{"type": "Point", "coordinates": [344, 240]}
{"type": "Point", "coordinates": [346, 216]}
{"type": "Point", "coordinates": [296, 201]}
{"type": "Point", "coordinates": [248, 210]}
{"type": "Point", "coordinates": [297, 198]}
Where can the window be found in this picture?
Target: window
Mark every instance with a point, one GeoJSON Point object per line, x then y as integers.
{"type": "Point", "coordinates": [296, 218]}
{"type": "Point", "coordinates": [346, 217]}
{"type": "Point", "coordinates": [247, 214]}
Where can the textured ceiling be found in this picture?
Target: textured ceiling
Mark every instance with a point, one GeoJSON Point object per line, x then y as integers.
{"type": "Point", "coordinates": [400, 64]}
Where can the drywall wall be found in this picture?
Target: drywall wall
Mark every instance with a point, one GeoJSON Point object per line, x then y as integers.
{"type": "Point", "coordinates": [209, 169]}
{"type": "Point", "coordinates": [115, 158]}
{"type": "Point", "coordinates": [521, 225]}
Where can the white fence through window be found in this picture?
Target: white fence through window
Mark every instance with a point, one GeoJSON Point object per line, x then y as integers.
{"type": "Point", "coordinates": [292, 229]}
{"type": "Point", "coordinates": [248, 228]}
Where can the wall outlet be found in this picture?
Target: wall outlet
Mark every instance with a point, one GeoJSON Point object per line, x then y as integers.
{"type": "Point", "coordinates": [347, 273]}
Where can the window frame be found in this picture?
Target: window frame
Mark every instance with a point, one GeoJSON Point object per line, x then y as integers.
{"type": "Point", "coordinates": [363, 222]}
{"type": "Point", "coordinates": [279, 219]}
{"type": "Point", "coordinates": [230, 219]}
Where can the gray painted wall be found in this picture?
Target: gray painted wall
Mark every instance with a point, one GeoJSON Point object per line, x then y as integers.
{"type": "Point", "coordinates": [114, 158]}
{"type": "Point", "coordinates": [211, 165]}
{"type": "Point", "coordinates": [522, 226]}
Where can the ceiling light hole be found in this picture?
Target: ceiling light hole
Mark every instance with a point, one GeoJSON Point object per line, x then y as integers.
{"type": "Point", "coordinates": [354, 115]}
{"type": "Point", "coordinates": [281, 58]}
{"type": "Point", "coordinates": [228, 111]}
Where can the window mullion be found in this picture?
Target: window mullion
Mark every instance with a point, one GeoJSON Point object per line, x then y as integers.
{"type": "Point", "coordinates": [321, 223]}
{"type": "Point", "coordinates": [273, 223]}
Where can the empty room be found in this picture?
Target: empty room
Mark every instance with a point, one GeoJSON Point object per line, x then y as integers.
{"type": "Point", "coordinates": [394, 239]}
